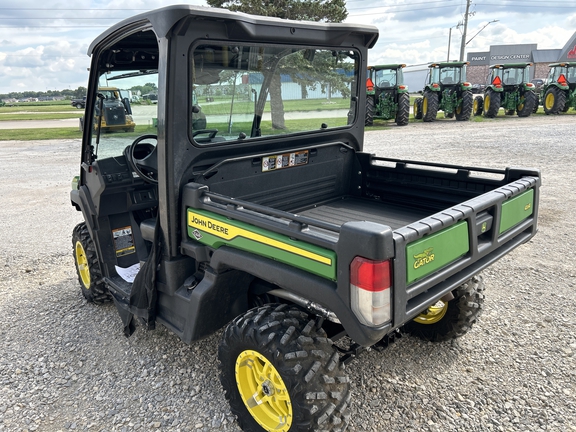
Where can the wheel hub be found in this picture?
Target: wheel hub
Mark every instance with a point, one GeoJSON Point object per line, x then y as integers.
{"type": "Point", "coordinates": [433, 314]}
{"type": "Point", "coordinates": [263, 391]}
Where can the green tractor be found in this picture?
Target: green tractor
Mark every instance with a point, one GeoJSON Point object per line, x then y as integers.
{"type": "Point", "coordinates": [386, 95]}
{"type": "Point", "coordinates": [508, 87]}
{"type": "Point", "coordinates": [446, 90]}
{"type": "Point", "coordinates": [560, 88]}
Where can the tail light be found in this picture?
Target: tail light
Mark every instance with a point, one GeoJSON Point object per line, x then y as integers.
{"type": "Point", "coordinates": [402, 87]}
{"type": "Point", "coordinates": [370, 287]}
{"type": "Point", "coordinates": [466, 84]}
{"type": "Point", "coordinates": [529, 85]}
{"type": "Point", "coordinates": [435, 85]}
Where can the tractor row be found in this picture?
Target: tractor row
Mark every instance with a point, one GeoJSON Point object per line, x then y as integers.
{"type": "Point", "coordinates": [446, 89]}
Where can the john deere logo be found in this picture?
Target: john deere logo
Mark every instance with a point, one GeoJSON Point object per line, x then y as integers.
{"type": "Point", "coordinates": [527, 207]}
{"type": "Point", "coordinates": [423, 258]}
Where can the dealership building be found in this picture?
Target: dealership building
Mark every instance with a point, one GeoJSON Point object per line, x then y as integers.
{"type": "Point", "coordinates": [480, 62]}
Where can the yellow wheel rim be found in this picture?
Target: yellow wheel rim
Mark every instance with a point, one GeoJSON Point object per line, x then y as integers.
{"type": "Point", "coordinates": [486, 103]}
{"type": "Point", "coordinates": [415, 109]}
{"type": "Point", "coordinates": [82, 263]}
{"type": "Point", "coordinates": [550, 101]}
{"type": "Point", "coordinates": [459, 109]}
{"type": "Point", "coordinates": [263, 391]}
{"type": "Point", "coordinates": [520, 106]}
{"type": "Point", "coordinates": [475, 105]}
{"type": "Point", "coordinates": [424, 106]}
{"type": "Point", "coordinates": [434, 313]}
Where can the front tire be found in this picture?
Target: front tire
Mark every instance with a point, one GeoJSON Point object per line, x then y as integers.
{"type": "Point", "coordinates": [464, 110]}
{"type": "Point", "coordinates": [478, 105]}
{"type": "Point", "coordinates": [87, 266]}
{"type": "Point", "coordinates": [429, 106]}
{"type": "Point", "coordinates": [418, 108]}
{"type": "Point", "coordinates": [403, 113]}
{"type": "Point", "coordinates": [449, 320]}
{"type": "Point", "coordinates": [491, 104]}
{"type": "Point", "coordinates": [280, 372]}
{"type": "Point", "coordinates": [525, 108]}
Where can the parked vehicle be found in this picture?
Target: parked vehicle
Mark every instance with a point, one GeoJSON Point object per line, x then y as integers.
{"type": "Point", "coordinates": [386, 94]}
{"type": "Point", "coordinates": [508, 87]}
{"type": "Point", "coordinates": [112, 112]}
{"type": "Point", "coordinates": [288, 237]}
{"type": "Point", "coordinates": [79, 103]}
{"type": "Point", "coordinates": [446, 90]}
{"type": "Point", "coordinates": [560, 89]}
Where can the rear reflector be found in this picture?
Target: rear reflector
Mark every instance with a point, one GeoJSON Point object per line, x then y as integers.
{"type": "Point", "coordinates": [370, 283]}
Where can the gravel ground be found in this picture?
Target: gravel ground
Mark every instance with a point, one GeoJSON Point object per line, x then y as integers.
{"type": "Point", "coordinates": [66, 365]}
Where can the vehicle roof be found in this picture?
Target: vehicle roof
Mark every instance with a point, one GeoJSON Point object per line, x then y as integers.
{"type": "Point", "coordinates": [163, 19]}
{"type": "Point", "coordinates": [510, 65]}
{"type": "Point", "coordinates": [388, 66]}
{"type": "Point", "coordinates": [448, 64]}
{"type": "Point", "coordinates": [569, 64]}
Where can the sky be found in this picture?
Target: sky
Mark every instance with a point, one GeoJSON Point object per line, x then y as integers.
{"type": "Point", "coordinates": [43, 45]}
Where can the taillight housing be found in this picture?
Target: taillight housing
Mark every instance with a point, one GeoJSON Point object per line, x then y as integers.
{"type": "Point", "coordinates": [435, 85]}
{"type": "Point", "coordinates": [370, 290]}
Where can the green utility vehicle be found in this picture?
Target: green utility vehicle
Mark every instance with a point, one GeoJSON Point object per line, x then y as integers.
{"type": "Point", "coordinates": [446, 90]}
{"type": "Point", "coordinates": [508, 86]}
{"type": "Point", "coordinates": [386, 95]}
{"type": "Point", "coordinates": [267, 219]}
{"type": "Point", "coordinates": [560, 88]}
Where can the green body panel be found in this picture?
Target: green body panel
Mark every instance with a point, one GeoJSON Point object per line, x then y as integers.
{"type": "Point", "coordinates": [511, 100]}
{"type": "Point", "coordinates": [449, 101]}
{"type": "Point", "coordinates": [515, 210]}
{"type": "Point", "coordinates": [214, 230]}
{"type": "Point", "coordinates": [433, 252]}
{"type": "Point", "coordinates": [386, 108]}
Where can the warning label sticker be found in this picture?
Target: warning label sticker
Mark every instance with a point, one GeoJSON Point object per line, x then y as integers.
{"type": "Point", "coordinates": [123, 241]}
{"type": "Point", "coordinates": [286, 160]}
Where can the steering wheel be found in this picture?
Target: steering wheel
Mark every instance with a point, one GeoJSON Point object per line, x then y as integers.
{"type": "Point", "coordinates": [211, 132]}
{"type": "Point", "coordinates": [143, 158]}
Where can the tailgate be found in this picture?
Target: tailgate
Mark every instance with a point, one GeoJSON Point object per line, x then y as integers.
{"type": "Point", "coordinates": [436, 254]}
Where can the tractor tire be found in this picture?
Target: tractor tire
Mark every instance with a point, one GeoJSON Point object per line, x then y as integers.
{"type": "Point", "coordinates": [87, 266]}
{"type": "Point", "coordinates": [449, 320]}
{"type": "Point", "coordinates": [554, 100]}
{"type": "Point", "coordinates": [403, 113]}
{"type": "Point", "coordinates": [280, 372]}
{"type": "Point", "coordinates": [464, 110]}
{"type": "Point", "coordinates": [525, 107]}
{"type": "Point", "coordinates": [491, 104]}
{"type": "Point", "coordinates": [536, 105]}
{"type": "Point", "coordinates": [478, 105]}
{"type": "Point", "coordinates": [369, 111]}
{"type": "Point", "coordinates": [429, 106]}
{"type": "Point", "coordinates": [418, 108]}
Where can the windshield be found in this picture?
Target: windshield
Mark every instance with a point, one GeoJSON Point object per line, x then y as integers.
{"type": "Point", "coordinates": [128, 100]}
{"type": "Point", "coordinates": [511, 76]}
{"type": "Point", "coordinates": [569, 73]}
{"type": "Point", "coordinates": [250, 91]}
{"type": "Point", "coordinates": [385, 78]}
{"type": "Point", "coordinates": [449, 75]}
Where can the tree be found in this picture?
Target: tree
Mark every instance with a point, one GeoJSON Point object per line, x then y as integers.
{"type": "Point", "coordinates": [303, 10]}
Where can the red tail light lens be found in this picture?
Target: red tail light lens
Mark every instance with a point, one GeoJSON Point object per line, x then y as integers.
{"type": "Point", "coordinates": [370, 290]}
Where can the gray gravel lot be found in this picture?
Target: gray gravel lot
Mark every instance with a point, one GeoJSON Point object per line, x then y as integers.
{"type": "Point", "coordinates": [66, 365]}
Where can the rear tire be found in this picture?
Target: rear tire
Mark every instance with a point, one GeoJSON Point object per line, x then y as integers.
{"type": "Point", "coordinates": [87, 266]}
{"type": "Point", "coordinates": [429, 106]}
{"type": "Point", "coordinates": [526, 107]}
{"type": "Point", "coordinates": [403, 113]}
{"type": "Point", "coordinates": [449, 320]}
{"type": "Point", "coordinates": [554, 100]}
{"type": "Point", "coordinates": [478, 105]}
{"type": "Point", "coordinates": [369, 121]}
{"type": "Point", "coordinates": [418, 108]}
{"type": "Point", "coordinates": [280, 372]}
{"type": "Point", "coordinates": [464, 110]}
{"type": "Point", "coordinates": [491, 104]}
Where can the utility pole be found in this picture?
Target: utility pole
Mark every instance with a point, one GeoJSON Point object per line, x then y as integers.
{"type": "Point", "coordinates": [463, 42]}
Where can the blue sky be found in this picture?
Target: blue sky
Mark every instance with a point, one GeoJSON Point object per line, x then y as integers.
{"type": "Point", "coordinates": [43, 44]}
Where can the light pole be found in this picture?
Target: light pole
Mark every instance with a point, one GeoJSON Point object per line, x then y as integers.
{"type": "Point", "coordinates": [487, 24]}
{"type": "Point", "coordinates": [449, 41]}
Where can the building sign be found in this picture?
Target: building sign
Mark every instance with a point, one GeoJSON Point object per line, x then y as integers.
{"type": "Point", "coordinates": [511, 53]}
{"type": "Point", "coordinates": [572, 53]}
{"type": "Point", "coordinates": [568, 53]}
{"type": "Point", "coordinates": [479, 58]}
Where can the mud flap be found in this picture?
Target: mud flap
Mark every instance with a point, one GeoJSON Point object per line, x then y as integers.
{"type": "Point", "coordinates": [143, 293]}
